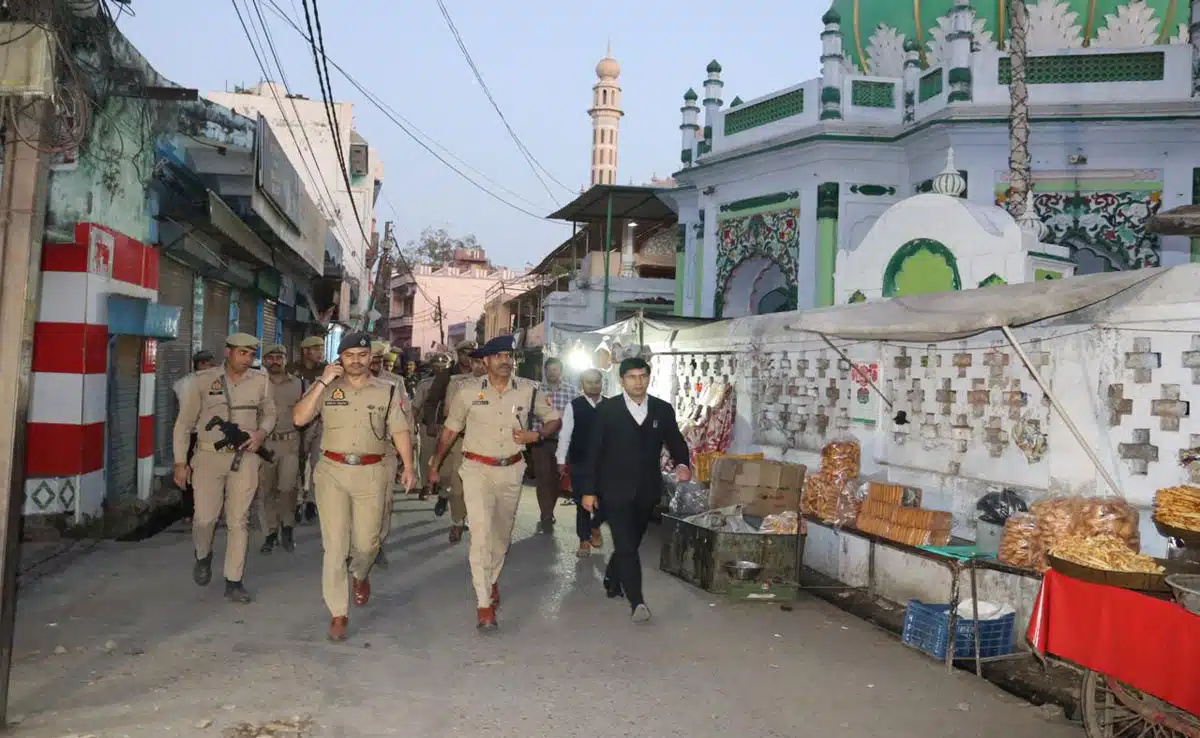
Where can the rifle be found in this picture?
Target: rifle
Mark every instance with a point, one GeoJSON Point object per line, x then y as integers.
{"type": "Point", "coordinates": [234, 438]}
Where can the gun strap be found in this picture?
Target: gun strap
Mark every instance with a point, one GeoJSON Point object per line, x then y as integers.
{"type": "Point", "coordinates": [532, 400]}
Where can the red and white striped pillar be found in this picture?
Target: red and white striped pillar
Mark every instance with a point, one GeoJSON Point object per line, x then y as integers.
{"type": "Point", "coordinates": [145, 439]}
{"type": "Point", "coordinates": [68, 408]}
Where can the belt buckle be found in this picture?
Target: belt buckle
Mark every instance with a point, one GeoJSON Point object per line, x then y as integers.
{"type": "Point", "coordinates": [352, 459]}
{"type": "Point", "coordinates": [504, 462]}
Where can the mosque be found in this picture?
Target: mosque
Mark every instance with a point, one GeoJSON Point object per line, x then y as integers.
{"type": "Point", "coordinates": [888, 175]}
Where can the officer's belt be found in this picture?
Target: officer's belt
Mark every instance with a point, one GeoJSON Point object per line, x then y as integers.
{"type": "Point", "coordinates": [284, 436]}
{"type": "Point", "coordinates": [353, 459]}
{"type": "Point", "coordinates": [492, 461]}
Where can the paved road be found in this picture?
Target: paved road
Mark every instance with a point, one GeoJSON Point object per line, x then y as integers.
{"type": "Point", "coordinates": [141, 651]}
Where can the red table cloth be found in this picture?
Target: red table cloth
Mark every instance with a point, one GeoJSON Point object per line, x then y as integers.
{"type": "Point", "coordinates": [1147, 643]}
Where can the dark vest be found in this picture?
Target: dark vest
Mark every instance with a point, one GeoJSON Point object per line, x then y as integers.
{"type": "Point", "coordinates": [585, 416]}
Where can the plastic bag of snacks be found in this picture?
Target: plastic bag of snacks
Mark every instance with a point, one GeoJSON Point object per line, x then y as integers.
{"type": "Point", "coordinates": [1111, 516]}
{"type": "Point", "coordinates": [1057, 519]}
{"type": "Point", "coordinates": [784, 523]}
{"type": "Point", "coordinates": [842, 459]}
{"type": "Point", "coordinates": [1020, 545]}
{"type": "Point", "coordinates": [831, 498]}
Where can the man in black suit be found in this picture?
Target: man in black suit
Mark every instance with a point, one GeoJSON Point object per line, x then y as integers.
{"type": "Point", "coordinates": [621, 472]}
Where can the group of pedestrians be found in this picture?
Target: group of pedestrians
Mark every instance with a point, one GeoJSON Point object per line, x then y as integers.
{"type": "Point", "coordinates": [359, 434]}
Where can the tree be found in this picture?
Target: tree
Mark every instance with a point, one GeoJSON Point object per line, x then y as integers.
{"type": "Point", "coordinates": [435, 246]}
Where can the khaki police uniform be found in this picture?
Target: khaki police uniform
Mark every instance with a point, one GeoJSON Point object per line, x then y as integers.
{"type": "Point", "coordinates": [311, 439]}
{"type": "Point", "coordinates": [427, 443]}
{"type": "Point", "coordinates": [353, 479]}
{"type": "Point", "coordinates": [279, 481]}
{"type": "Point", "coordinates": [452, 480]}
{"type": "Point", "coordinates": [393, 458]}
{"type": "Point", "coordinates": [492, 467]}
{"type": "Point", "coordinates": [249, 403]}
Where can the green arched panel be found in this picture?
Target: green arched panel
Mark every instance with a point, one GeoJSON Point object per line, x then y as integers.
{"type": "Point", "coordinates": [920, 267]}
{"type": "Point", "coordinates": [992, 280]}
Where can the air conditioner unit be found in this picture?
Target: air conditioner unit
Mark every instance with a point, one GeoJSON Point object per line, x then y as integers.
{"type": "Point", "coordinates": [27, 58]}
{"type": "Point", "coordinates": [359, 160]}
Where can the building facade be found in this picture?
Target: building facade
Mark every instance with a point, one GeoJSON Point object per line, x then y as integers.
{"type": "Point", "coordinates": [779, 192]}
{"type": "Point", "coordinates": [316, 151]}
{"type": "Point", "coordinates": [162, 236]}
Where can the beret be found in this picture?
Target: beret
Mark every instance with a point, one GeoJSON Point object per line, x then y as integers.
{"type": "Point", "coordinates": [354, 341]}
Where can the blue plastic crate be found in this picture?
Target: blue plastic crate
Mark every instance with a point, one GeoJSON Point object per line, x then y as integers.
{"type": "Point", "coordinates": [927, 629]}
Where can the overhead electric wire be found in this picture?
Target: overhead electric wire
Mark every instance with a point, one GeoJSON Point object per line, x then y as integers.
{"type": "Point", "coordinates": [266, 74]}
{"type": "Point", "coordinates": [319, 181]}
{"type": "Point", "coordinates": [406, 128]}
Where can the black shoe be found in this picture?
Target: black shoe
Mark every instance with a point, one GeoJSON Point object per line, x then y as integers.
{"type": "Point", "coordinates": [310, 513]}
{"type": "Point", "coordinates": [287, 539]}
{"type": "Point", "coordinates": [269, 544]}
{"type": "Point", "coordinates": [440, 507]}
{"type": "Point", "coordinates": [299, 515]}
{"type": "Point", "coordinates": [546, 525]}
{"type": "Point", "coordinates": [612, 589]}
{"type": "Point", "coordinates": [235, 592]}
{"type": "Point", "coordinates": [202, 571]}
{"type": "Point", "coordinates": [381, 559]}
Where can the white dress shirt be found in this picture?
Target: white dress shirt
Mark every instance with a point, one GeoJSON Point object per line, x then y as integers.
{"type": "Point", "coordinates": [568, 425]}
{"type": "Point", "coordinates": [639, 412]}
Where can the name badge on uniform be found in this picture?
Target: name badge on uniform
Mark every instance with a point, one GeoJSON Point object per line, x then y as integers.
{"type": "Point", "coordinates": [480, 402]}
{"type": "Point", "coordinates": [338, 397]}
{"type": "Point", "coordinates": [654, 425]}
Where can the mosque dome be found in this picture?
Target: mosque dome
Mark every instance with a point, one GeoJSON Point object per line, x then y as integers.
{"type": "Point", "coordinates": [1073, 23]}
{"type": "Point", "coordinates": [608, 68]}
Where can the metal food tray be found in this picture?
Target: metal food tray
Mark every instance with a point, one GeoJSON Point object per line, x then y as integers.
{"type": "Point", "coordinates": [1189, 537]}
{"type": "Point", "coordinates": [1139, 582]}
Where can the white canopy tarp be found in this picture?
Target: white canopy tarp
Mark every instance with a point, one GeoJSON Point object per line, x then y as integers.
{"type": "Point", "coordinates": [946, 316]}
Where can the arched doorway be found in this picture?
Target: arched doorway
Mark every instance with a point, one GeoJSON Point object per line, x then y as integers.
{"type": "Point", "coordinates": [920, 267]}
{"type": "Point", "coordinates": [756, 287]}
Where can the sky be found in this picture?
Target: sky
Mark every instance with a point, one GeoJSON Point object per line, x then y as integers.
{"type": "Point", "coordinates": [538, 58]}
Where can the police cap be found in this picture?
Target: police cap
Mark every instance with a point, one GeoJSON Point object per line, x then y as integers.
{"type": "Point", "coordinates": [242, 340]}
{"type": "Point", "coordinates": [275, 348]}
{"type": "Point", "coordinates": [354, 341]}
{"type": "Point", "coordinates": [312, 341]}
{"type": "Point", "coordinates": [466, 346]}
{"type": "Point", "coordinates": [497, 345]}
{"type": "Point", "coordinates": [203, 355]}
{"type": "Point", "coordinates": [379, 348]}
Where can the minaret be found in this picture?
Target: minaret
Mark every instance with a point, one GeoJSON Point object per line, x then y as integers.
{"type": "Point", "coordinates": [606, 120]}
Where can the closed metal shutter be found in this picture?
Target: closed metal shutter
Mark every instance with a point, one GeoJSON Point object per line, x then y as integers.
{"type": "Point", "coordinates": [174, 357]}
{"type": "Point", "coordinates": [268, 336]}
{"type": "Point", "coordinates": [216, 316]}
{"type": "Point", "coordinates": [124, 383]}
{"type": "Point", "coordinates": [248, 312]}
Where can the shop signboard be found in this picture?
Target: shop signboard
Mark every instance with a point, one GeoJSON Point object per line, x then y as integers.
{"type": "Point", "coordinates": [275, 176]}
{"type": "Point", "coordinates": [864, 404]}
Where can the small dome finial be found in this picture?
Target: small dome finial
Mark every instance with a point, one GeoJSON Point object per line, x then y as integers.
{"type": "Point", "coordinates": [713, 67]}
{"type": "Point", "coordinates": [831, 17]}
{"type": "Point", "coordinates": [950, 182]}
{"type": "Point", "coordinates": [690, 95]}
{"type": "Point", "coordinates": [608, 68]}
{"type": "Point", "coordinates": [1030, 222]}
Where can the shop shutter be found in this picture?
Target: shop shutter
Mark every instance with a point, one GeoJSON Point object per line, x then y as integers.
{"type": "Point", "coordinates": [268, 336]}
{"type": "Point", "coordinates": [174, 357]}
{"type": "Point", "coordinates": [216, 316]}
{"type": "Point", "coordinates": [248, 312]}
{"type": "Point", "coordinates": [124, 383]}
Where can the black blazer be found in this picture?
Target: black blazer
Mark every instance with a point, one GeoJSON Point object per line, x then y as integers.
{"type": "Point", "coordinates": [623, 462]}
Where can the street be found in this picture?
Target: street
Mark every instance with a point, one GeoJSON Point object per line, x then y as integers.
{"type": "Point", "coordinates": [123, 644]}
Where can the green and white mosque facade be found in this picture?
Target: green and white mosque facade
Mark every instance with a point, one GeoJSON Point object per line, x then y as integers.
{"type": "Point", "coordinates": [887, 175]}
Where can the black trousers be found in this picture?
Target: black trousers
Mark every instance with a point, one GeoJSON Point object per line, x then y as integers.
{"type": "Point", "coordinates": [585, 522]}
{"type": "Point", "coordinates": [628, 520]}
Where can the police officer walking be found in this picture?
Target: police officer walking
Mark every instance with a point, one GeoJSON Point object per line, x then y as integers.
{"type": "Point", "coordinates": [309, 368]}
{"type": "Point", "coordinates": [279, 480]}
{"type": "Point", "coordinates": [379, 350]}
{"type": "Point", "coordinates": [362, 417]}
{"type": "Point", "coordinates": [451, 493]}
{"type": "Point", "coordinates": [229, 477]}
{"type": "Point", "coordinates": [495, 413]}
{"type": "Point", "coordinates": [201, 360]}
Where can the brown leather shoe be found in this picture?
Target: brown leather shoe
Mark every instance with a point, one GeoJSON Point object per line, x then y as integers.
{"type": "Point", "coordinates": [487, 618]}
{"type": "Point", "coordinates": [337, 628]}
{"type": "Point", "coordinates": [597, 538]}
{"type": "Point", "coordinates": [495, 596]}
{"type": "Point", "coordinates": [456, 533]}
{"type": "Point", "coordinates": [362, 591]}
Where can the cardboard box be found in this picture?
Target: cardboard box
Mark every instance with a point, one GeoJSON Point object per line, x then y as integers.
{"type": "Point", "coordinates": [765, 487]}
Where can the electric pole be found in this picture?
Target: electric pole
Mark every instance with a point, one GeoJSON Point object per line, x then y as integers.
{"type": "Point", "coordinates": [1020, 180]}
{"type": "Point", "coordinates": [437, 315]}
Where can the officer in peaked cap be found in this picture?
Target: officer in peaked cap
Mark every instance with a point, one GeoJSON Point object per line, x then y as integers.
{"type": "Point", "coordinates": [496, 413]}
{"type": "Point", "coordinates": [278, 481]}
{"type": "Point", "coordinates": [450, 493]}
{"type": "Point", "coordinates": [433, 411]}
{"type": "Point", "coordinates": [234, 393]}
{"type": "Point", "coordinates": [364, 422]}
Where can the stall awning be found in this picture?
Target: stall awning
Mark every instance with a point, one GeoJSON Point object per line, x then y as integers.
{"type": "Point", "coordinates": [953, 315]}
{"type": "Point", "coordinates": [640, 204]}
{"type": "Point", "coordinates": [234, 229]}
{"type": "Point", "coordinates": [1181, 221]}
